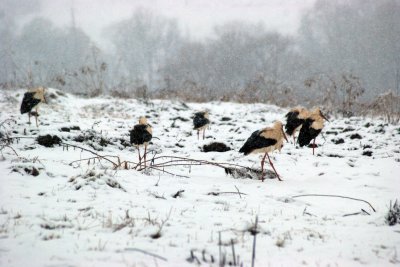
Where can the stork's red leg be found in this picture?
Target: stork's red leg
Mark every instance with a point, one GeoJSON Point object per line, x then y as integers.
{"type": "Point", "coordinates": [272, 165]}
{"type": "Point", "coordinates": [204, 133]}
{"type": "Point", "coordinates": [29, 115]}
{"type": "Point", "coordinates": [140, 159]}
{"type": "Point", "coordinates": [313, 147]}
{"type": "Point", "coordinates": [198, 134]}
{"type": "Point", "coordinates": [294, 140]}
{"type": "Point", "coordinates": [145, 151]}
{"type": "Point", "coordinates": [262, 167]}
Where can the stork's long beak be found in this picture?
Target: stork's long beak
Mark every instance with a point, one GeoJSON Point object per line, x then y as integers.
{"type": "Point", "coordinates": [323, 116]}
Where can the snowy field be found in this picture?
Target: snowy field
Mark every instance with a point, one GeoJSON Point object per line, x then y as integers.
{"type": "Point", "coordinates": [88, 214]}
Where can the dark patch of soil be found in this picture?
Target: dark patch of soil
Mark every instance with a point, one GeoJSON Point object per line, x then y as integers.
{"type": "Point", "coordinates": [32, 171]}
{"type": "Point", "coordinates": [216, 147]}
{"type": "Point", "coordinates": [225, 119]}
{"type": "Point", "coordinates": [65, 129]}
{"type": "Point", "coordinates": [334, 156]}
{"type": "Point", "coordinates": [48, 140]}
{"type": "Point", "coordinates": [338, 141]}
{"type": "Point", "coordinates": [367, 153]}
{"type": "Point", "coordinates": [180, 119]}
{"type": "Point", "coordinates": [179, 145]}
{"type": "Point", "coordinates": [348, 129]}
{"type": "Point", "coordinates": [355, 136]}
{"type": "Point", "coordinates": [331, 132]}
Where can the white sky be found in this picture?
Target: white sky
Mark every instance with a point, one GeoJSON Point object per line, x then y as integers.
{"type": "Point", "coordinates": [196, 17]}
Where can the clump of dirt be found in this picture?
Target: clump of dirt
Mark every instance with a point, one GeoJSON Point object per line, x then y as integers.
{"type": "Point", "coordinates": [249, 173]}
{"type": "Point", "coordinates": [348, 129]}
{"type": "Point", "coordinates": [94, 139]}
{"type": "Point", "coordinates": [332, 132]}
{"type": "Point", "coordinates": [65, 129]}
{"type": "Point", "coordinates": [225, 119]}
{"type": "Point", "coordinates": [216, 147]}
{"type": "Point", "coordinates": [367, 153]}
{"type": "Point", "coordinates": [48, 140]}
{"type": "Point", "coordinates": [355, 136]}
{"type": "Point", "coordinates": [125, 143]}
{"type": "Point", "coordinates": [68, 129]}
{"type": "Point", "coordinates": [334, 155]}
{"type": "Point", "coordinates": [180, 119]}
{"type": "Point", "coordinates": [94, 179]}
{"type": "Point", "coordinates": [338, 141]}
{"type": "Point", "coordinates": [27, 166]}
{"type": "Point", "coordinates": [31, 171]}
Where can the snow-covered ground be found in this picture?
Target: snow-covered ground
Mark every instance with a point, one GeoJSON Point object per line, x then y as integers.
{"type": "Point", "coordinates": [77, 215]}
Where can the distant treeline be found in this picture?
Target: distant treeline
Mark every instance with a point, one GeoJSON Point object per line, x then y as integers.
{"type": "Point", "coordinates": [344, 51]}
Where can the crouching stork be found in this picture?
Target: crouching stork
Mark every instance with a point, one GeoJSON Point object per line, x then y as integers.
{"type": "Point", "coordinates": [31, 100]}
{"type": "Point", "coordinates": [141, 134]}
{"type": "Point", "coordinates": [294, 120]}
{"type": "Point", "coordinates": [311, 127]}
{"type": "Point", "coordinates": [264, 141]}
{"type": "Point", "coordinates": [201, 122]}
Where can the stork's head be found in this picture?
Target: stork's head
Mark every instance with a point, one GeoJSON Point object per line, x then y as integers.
{"type": "Point", "coordinates": [206, 113]}
{"type": "Point", "coordinates": [318, 111]}
{"type": "Point", "coordinates": [279, 126]}
{"type": "Point", "coordinates": [40, 91]}
{"type": "Point", "coordinates": [142, 120]}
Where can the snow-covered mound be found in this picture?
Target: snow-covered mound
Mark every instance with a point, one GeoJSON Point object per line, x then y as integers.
{"type": "Point", "coordinates": [62, 205]}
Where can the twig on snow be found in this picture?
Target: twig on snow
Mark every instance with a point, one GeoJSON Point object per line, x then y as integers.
{"type": "Point", "coordinates": [238, 191]}
{"type": "Point", "coordinates": [323, 195]}
{"type": "Point", "coordinates": [178, 194]}
{"type": "Point", "coordinates": [146, 253]}
{"type": "Point", "coordinates": [219, 193]}
{"type": "Point", "coordinates": [253, 257]}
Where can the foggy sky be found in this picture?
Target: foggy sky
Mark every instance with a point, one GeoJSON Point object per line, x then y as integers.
{"type": "Point", "coordinates": [196, 17]}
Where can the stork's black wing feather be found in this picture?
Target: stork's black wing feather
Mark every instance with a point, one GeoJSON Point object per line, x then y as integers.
{"type": "Point", "coordinates": [28, 102]}
{"type": "Point", "coordinates": [199, 120]}
{"type": "Point", "coordinates": [307, 133]}
{"type": "Point", "coordinates": [256, 141]}
{"type": "Point", "coordinates": [292, 122]}
{"type": "Point", "coordinates": [140, 135]}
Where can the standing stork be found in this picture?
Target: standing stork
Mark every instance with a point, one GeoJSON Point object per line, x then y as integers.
{"type": "Point", "coordinates": [294, 120]}
{"type": "Point", "coordinates": [264, 141]}
{"type": "Point", "coordinates": [201, 122]}
{"type": "Point", "coordinates": [311, 127]}
{"type": "Point", "coordinates": [31, 100]}
{"type": "Point", "coordinates": [141, 134]}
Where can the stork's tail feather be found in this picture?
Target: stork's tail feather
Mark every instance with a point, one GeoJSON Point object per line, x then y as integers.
{"type": "Point", "coordinates": [289, 130]}
{"type": "Point", "coordinates": [304, 141]}
{"type": "Point", "coordinates": [245, 150]}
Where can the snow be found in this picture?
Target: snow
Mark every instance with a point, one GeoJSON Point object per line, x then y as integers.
{"type": "Point", "coordinates": [46, 221]}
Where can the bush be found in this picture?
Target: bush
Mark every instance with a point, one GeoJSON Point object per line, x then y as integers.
{"type": "Point", "coordinates": [387, 105]}
{"type": "Point", "coordinates": [393, 215]}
